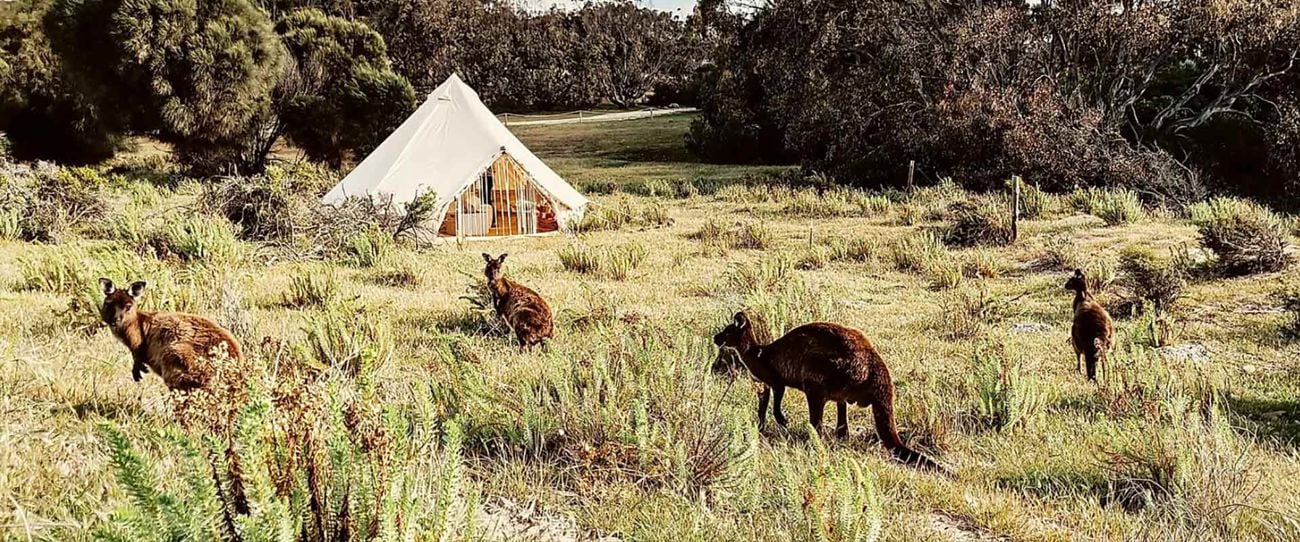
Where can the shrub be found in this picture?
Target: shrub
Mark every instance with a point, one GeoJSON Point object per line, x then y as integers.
{"type": "Point", "coordinates": [1290, 297]}
{"type": "Point", "coordinates": [622, 215]}
{"type": "Point", "coordinates": [370, 247]}
{"type": "Point", "coordinates": [349, 339]}
{"type": "Point", "coordinates": [838, 500]}
{"type": "Point", "coordinates": [917, 253]}
{"type": "Point", "coordinates": [1159, 282]}
{"type": "Point", "coordinates": [396, 272]}
{"type": "Point", "coordinates": [273, 207]}
{"type": "Point", "coordinates": [1117, 207]}
{"type": "Point", "coordinates": [46, 203]}
{"type": "Point", "coordinates": [1058, 254]}
{"type": "Point", "coordinates": [616, 263]}
{"type": "Point", "coordinates": [857, 249]}
{"type": "Point", "coordinates": [315, 286]}
{"type": "Point", "coordinates": [281, 447]}
{"type": "Point", "coordinates": [195, 238]}
{"type": "Point", "coordinates": [753, 236]}
{"type": "Point", "coordinates": [946, 274]}
{"type": "Point", "coordinates": [981, 264]}
{"type": "Point", "coordinates": [979, 223]}
{"type": "Point", "coordinates": [1006, 397]}
{"type": "Point", "coordinates": [967, 312]}
{"type": "Point", "coordinates": [1246, 238]}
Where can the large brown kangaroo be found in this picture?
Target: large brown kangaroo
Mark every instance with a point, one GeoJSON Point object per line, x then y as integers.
{"type": "Point", "coordinates": [1093, 330]}
{"type": "Point", "coordinates": [828, 362]}
{"type": "Point", "coordinates": [526, 312]}
{"type": "Point", "coordinates": [167, 343]}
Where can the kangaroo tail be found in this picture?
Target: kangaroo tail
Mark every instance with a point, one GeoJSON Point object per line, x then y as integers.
{"type": "Point", "coordinates": [883, 412]}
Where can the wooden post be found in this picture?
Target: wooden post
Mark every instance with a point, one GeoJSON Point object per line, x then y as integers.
{"type": "Point", "coordinates": [911, 171]}
{"type": "Point", "coordinates": [580, 116]}
{"type": "Point", "coordinates": [507, 121]}
{"type": "Point", "coordinates": [810, 234]}
{"type": "Point", "coordinates": [1015, 209]}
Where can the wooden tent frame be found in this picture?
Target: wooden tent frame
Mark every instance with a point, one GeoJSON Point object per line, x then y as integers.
{"type": "Point", "coordinates": [504, 201]}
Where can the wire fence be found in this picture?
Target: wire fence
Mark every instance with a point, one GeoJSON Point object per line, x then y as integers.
{"type": "Point", "coordinates": [587, 115]}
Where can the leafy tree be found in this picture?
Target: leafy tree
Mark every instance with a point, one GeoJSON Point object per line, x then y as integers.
{"type": "Point", "coordinates": [628, 49]}
{"type": "Point", "coordinates": [346, 97]}
{"type": "Point", "coordinates": [198, 73]}
{"type": "Point", "coordinates": [43, 117]}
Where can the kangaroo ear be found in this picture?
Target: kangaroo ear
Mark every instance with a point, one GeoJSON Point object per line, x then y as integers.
{"type": "Point", "coordinates": [137, 288]}
{"type": "Point", "coordinates": [741, 320]}
{"type": "Point", "coordinates": [107, 285]}
{"type": "Point", "coordinates": [1078, 273]}
{"type": "Point", "coordinates": [487, 257]}
{"type": "Point", "coordinates": [501, 259]}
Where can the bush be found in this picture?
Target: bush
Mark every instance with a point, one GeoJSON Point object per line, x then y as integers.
{"type": "Point", "coordinates": [838, 499]}
{"type": "Point", "coordinates": [274, 207]}
{"type": "Point", "coordinates": [1007, 398]}
{"type": "Point", "coordinates": [1058, 254]}
{"type": "Point", "coordinates": [315, 286]}
{"type": "Point", "coordinates": [195, 238]}
{"type": "Point", "coordinates": [1159, 282]}
{"type": "Point", "coordinates": [370, 247]}
{"type": "Point", "coordinates": [966, 313]}
{"type": "Point", "coordinates": [1290, 297]}
{"type": "Point", "coordinates": [917, 253]}
{"type": "Point", "coordinates": [47, 203]}
{"type": "Point", "coordinates": [979, 223]}
{"type": "Point", "coordinates": [1247, 238]}
{"type": "Point", "coordinates": [296, 445]}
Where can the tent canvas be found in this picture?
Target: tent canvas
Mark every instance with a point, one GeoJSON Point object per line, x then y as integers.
{"type": "Point", "coordinates": [485, 180]}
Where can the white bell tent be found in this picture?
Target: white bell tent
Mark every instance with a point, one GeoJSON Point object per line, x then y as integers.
{"type": "Point", "coordinates": [487, 183]}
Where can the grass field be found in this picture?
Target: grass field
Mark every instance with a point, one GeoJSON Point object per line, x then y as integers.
{"type": "Point", "coordinates": [619, 428]}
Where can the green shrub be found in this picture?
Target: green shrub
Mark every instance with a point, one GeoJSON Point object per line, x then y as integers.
{"type": "Point", "coordinates": [50, 202]}
{"type": "Point", "coordinates": [195, 238]}
{"type": "Point", "coordinates": [315, 286]}
{"type": "Point", "coordinates": [1246, 238]}
{"type": "Point", "coordinates": [985, 222]}
{"type": "Point", "coordinates": [857, 249]}
{"type": "Point", "coordinates": [968, 312]}
{"type": "Point", "coordinates": [838, 499]}
{"type": "Point", "coordinates": [1119, 207]}
{"type": "Point", "coordinates": [1006, 397]}
{"type": "Point", "coordinates": [917, 253]}
{"type": "Point", "coordinates": [1290, 297]}
{"type": "Point", "coordinates": [1150, 279]}
{"type": "Point", "coordinates": [753, 236]}
{"type": "Point", "coordinates": [349, 339]}
{"type": "Point", "coordinates": [370, 247]}
{"type": "Point", "coordinates": [1058, 253]}
{"type": "Point", "coordinates": [946, 274]}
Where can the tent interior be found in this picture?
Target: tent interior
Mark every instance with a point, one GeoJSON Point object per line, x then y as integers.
{"type": "Point", "coordinates": [503, 201]}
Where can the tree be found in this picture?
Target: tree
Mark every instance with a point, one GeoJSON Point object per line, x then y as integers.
{"type": "Point", "coordinates": [198, 73]}
{"type": "Point", "coordinates": [627, 49]}
{"type": "Point", "coordinates": [42, 116]}
{"type": "Point", "coordinates": [345, 95]}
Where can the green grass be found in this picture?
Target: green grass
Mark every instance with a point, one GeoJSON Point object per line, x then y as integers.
{"type": "Point", "coordinates": [619, 424]}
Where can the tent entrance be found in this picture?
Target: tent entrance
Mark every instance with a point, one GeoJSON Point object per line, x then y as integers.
{"type": "Point", "coordinates": [502, 201]}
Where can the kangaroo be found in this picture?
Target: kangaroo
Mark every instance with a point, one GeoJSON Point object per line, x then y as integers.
{"type": "Point", "coordinates": [829, 362]}
{"type": "Point", "coordinates": [166, 343]}
{"type": "Point", "coordinates": [1092, 330]}
{"type": "Point", "coordinates": [523, 309]}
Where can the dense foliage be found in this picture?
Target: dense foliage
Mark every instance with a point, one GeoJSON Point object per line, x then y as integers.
{"type": "Point", "coordinates": [1064, 93]}
{"type": "Point", "coordinates": [343, 96]}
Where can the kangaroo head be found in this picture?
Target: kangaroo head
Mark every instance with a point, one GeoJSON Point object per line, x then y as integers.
{"type": "Point", "coordinates": [1077, 283]}
{"type": "Point", "coordinates": [493, 270]}
{"type": "Point", "coordinates": [119, 305]}
{"type": "Point", "coordinates": [737, 335]}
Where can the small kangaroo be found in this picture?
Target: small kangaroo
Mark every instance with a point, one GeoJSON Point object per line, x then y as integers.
{"type": "Point", "coordinates": [829, 362]}
{"type": "Point", "coordinates": [523, 309]}
{"type": "Point", "coordinates": [166, 343]}
{"type": "Point", "coordinates": [1092, 331]}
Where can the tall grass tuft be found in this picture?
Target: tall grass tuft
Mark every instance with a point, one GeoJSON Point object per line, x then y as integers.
{"type": "Point", "coordinates": [917, 253]}
{"type": "Point", "coordinates": [1007, 398]}
{"type": "Point", "coordinates": [316, 286]}
{"type": "Point", "coordinates": [982, 222]}
{"type": "Point", "coordinates": [1289, 295]}
{"type": "Point", "coordinates": [370, 247]}
{"type": "Point", "coordinates": [615, 263]}
{"type": "Point", "coordinates": [837, 498]}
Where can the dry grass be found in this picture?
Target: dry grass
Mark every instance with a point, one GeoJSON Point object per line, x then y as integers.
{"type": "Point", "coordinates": [618, 423]}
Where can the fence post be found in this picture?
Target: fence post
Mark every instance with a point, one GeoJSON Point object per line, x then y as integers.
{"type": "Point", "coordinates": [580, 116]}
{"type": "Point", "coordinates": [1015, 209]}
{"type": "Point", "coordinates": [911, 170]}
{"type": "Point", "coordinates": [507, 121]}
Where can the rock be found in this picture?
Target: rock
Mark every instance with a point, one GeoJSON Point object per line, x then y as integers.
{"type": "Point", "coordinates": [1030, 327]}
{"type": "Point", "coordinates": [1186, 352]}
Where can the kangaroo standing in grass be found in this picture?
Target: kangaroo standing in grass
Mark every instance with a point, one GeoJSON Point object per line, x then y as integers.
{"type": "Point", "coordinates": [167, 343]}
{"type": "Point", "coordinates": [829, 362]}
{"type": "Point", "coordinates": [523, 309]}
{"type": "Point", "coordinates": [1092, 331]}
